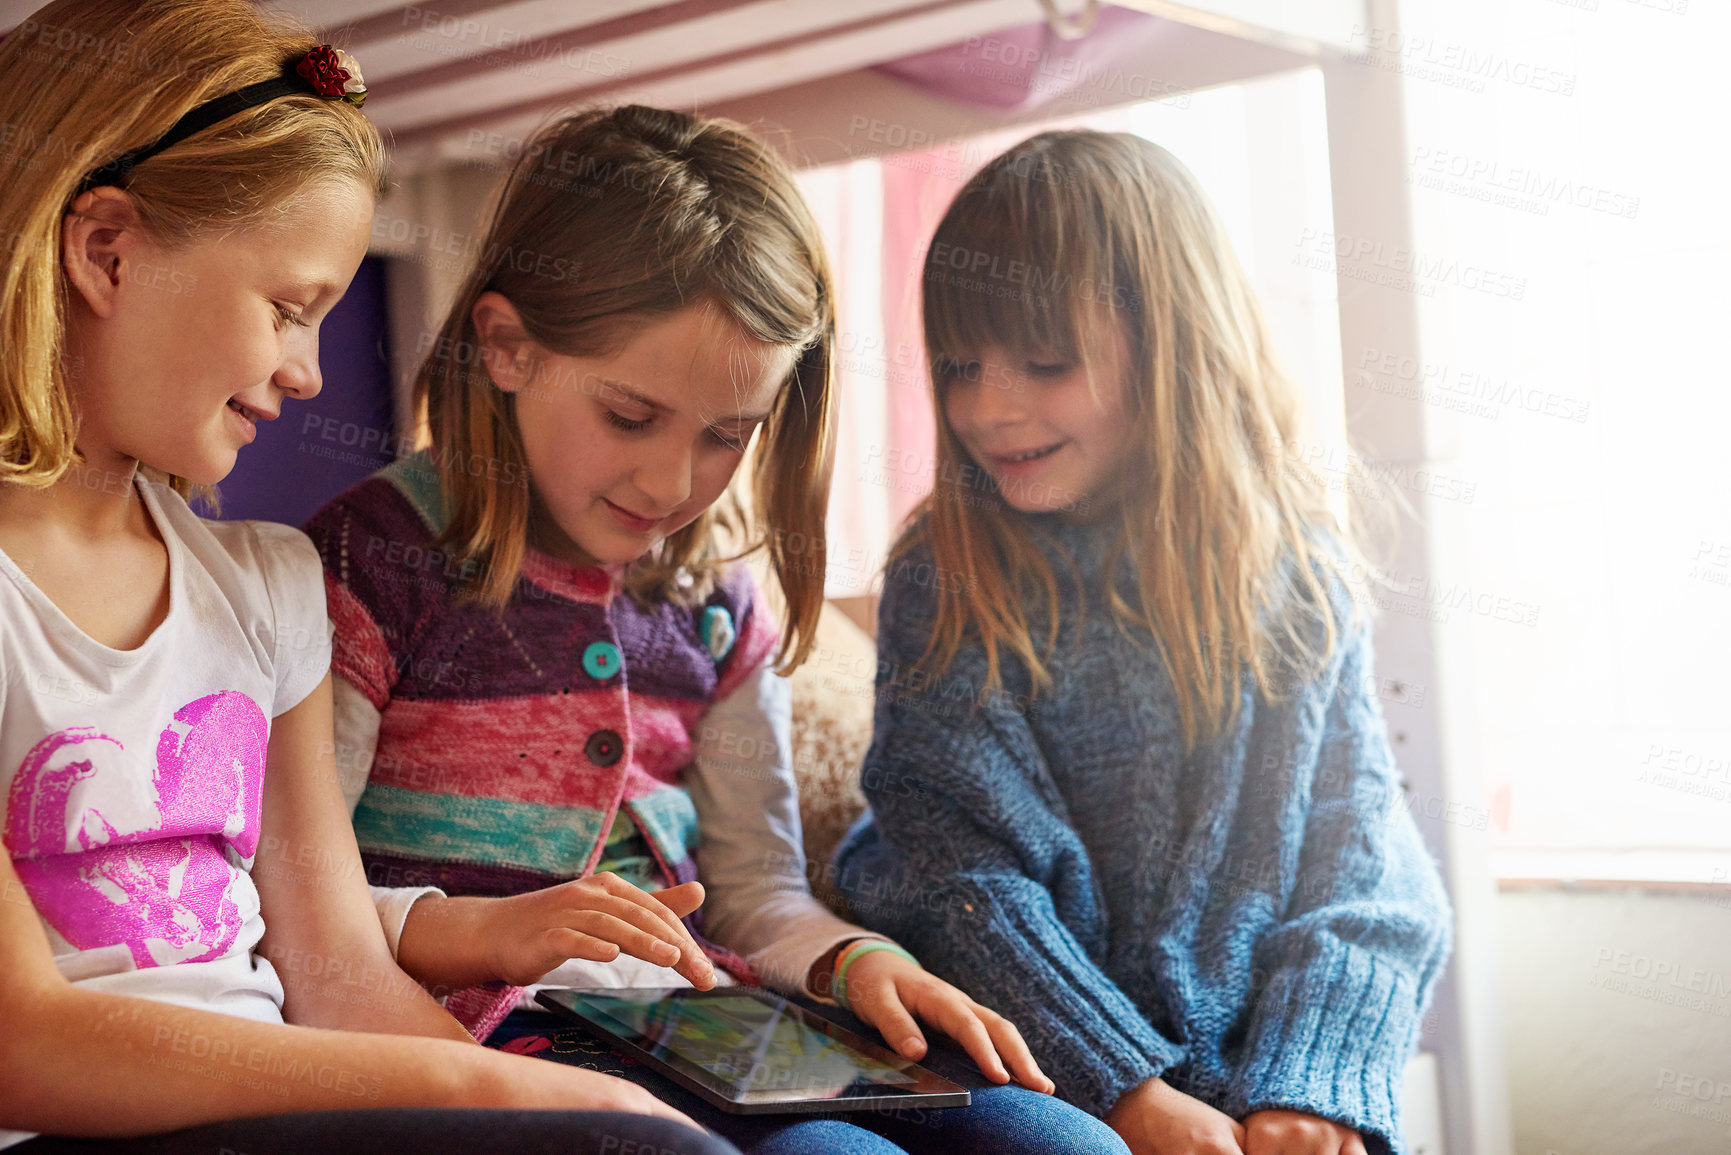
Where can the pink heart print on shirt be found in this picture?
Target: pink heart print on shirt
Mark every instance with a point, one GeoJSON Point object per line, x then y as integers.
{"type": "Point", "coordinates": [113, 853]}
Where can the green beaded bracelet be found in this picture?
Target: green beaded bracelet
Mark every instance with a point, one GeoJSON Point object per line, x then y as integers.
{"type": "Point", "coordinates": [846, 960]}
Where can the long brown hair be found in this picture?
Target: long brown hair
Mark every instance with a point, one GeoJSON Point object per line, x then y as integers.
{"type": "Point", "coordinates": [1083, 232]}
{"type": "Point", "coordinates": [88, 80]}
{"type": "Point", "coordinates": [629, 212]}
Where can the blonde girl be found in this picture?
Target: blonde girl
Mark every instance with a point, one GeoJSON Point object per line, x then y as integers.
{"type": "Point", "coordinates": [1139, 768]}
{"type": "Point", "coordinates": [187, 947]}
{"type": "Point", "coordinates": [557, 693]}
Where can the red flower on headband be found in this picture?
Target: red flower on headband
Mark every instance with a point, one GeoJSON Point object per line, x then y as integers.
{"type": "Point", "coordinates": [333, 73]}
{"type": "Point", "coordinates": [323, 71]}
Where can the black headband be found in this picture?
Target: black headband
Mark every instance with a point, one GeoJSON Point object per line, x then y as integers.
{"type": "Point", "coordinates": [312, 74]}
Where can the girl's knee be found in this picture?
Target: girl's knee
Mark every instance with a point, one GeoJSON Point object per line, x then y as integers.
{"type": "Point", "coordinates": [830, 1136]}
{"type": "Point", "coordinates": [1017, 1121]}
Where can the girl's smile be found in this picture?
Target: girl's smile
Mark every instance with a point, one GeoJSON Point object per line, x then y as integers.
{"type": "Point", "coordinates": [247, 419]}
{"type": "Point", "coordinates": [1022, 463]}
{"type": "Point", "coordinates": [631, 521]}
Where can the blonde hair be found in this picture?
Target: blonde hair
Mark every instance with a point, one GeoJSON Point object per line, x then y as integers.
{"type": "Point", "coordinates": [88, 80]}
{"type": "Point", "coordinates": [1232, 551]}
{"type": "Point", "coordinates": [612, 214]}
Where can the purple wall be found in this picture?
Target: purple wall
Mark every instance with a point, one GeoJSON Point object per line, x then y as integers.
{"type": "Point", "coordinates": [319, 448]}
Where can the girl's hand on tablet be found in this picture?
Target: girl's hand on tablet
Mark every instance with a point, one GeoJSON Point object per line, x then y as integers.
{"type": "Point", "coordinates": [890, 993]}
{"type": "Point", "coordinates": [593, 918]}
{"type": "Point", "coordinates": [1278, 1132]}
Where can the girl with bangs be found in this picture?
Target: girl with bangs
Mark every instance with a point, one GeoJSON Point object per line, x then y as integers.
{"type": "Point", "coordinates": [1133, 759]}
{"type": "Point", "coordinates": [559, 714]}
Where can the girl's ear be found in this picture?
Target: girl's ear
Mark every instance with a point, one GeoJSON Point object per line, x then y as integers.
{"type": "Point", "coordinates": [507, 350]}
{"type": "Point", "coordinates": [100, 233]}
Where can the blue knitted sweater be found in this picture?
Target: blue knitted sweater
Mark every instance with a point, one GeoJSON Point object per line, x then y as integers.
{"type": "Point", "coordinates": [1257, 923]}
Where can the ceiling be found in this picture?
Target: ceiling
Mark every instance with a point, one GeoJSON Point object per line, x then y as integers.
{"type": "Point", "coordinates": [450, 80]}
{"type": "Point", "coordinates": [447, 73]}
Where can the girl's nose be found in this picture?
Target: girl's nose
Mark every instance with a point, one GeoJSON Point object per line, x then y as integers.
{"type": "Point", "coordinates": [664, 476]}
{"type": "Point", "coordinates": [995, 401]}
{"type": "Point", "coordinates": [299, 375]}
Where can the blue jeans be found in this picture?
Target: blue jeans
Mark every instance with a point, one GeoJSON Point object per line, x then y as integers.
{"type": "Point", "coordinates": [1002, 1120]}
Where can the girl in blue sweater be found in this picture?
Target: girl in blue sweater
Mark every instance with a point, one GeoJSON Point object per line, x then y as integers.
{"type": "Point", "coordinates": [1129, 782]}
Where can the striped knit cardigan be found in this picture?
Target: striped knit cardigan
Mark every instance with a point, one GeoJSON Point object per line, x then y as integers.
{"type": "Point", "coordinates": [509, 740]}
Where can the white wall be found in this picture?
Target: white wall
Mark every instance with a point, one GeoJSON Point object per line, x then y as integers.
{"type": "Point", "coordinates": [1618, 1015]}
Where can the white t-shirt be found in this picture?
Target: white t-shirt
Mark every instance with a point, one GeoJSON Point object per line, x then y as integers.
{"type": "Point", "coordinates": [134, 777]}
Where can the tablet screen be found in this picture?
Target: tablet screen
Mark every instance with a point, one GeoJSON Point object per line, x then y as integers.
{"type": "Point", "coordinates": [749, 1047]}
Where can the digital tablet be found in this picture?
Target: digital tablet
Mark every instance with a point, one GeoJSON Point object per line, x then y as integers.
{"type": "Point", "coordinates": [750, 1052]}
